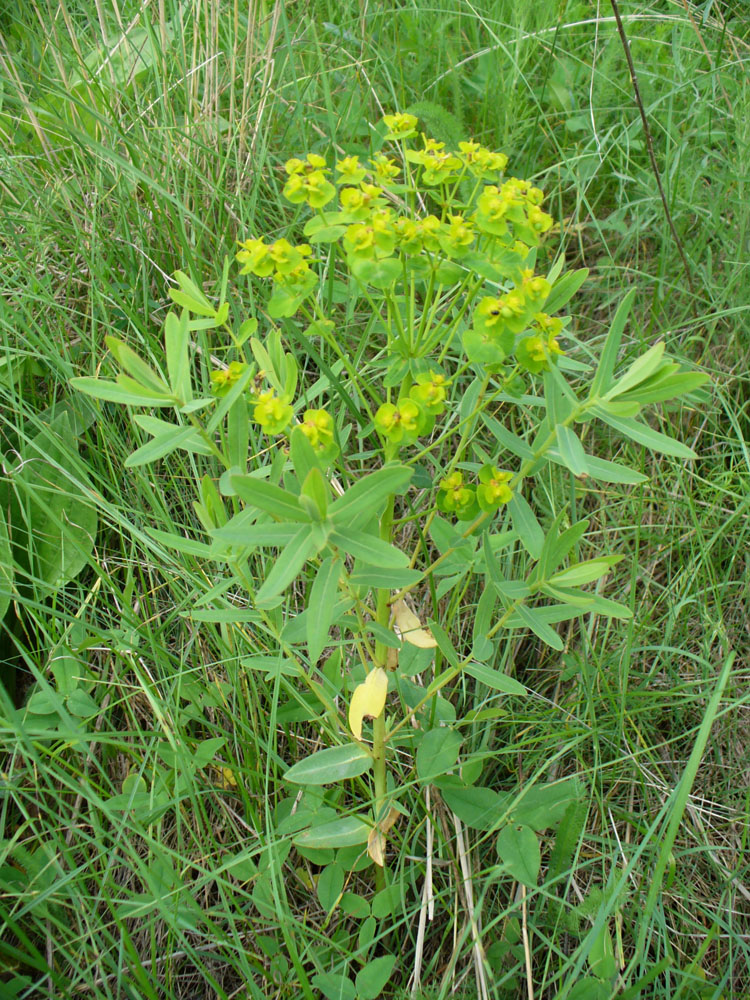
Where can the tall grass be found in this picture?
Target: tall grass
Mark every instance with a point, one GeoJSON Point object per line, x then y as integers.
{"type": "Point", "coordinates": [142, 138]}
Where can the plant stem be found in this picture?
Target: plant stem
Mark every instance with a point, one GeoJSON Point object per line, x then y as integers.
{"type": "Point", "coordinates": [382, 615]}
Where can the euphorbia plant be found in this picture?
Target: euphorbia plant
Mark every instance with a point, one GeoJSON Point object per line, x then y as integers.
{"type": "Point", "coordinates": [372, 497]}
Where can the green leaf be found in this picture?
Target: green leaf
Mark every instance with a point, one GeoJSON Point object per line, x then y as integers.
{"type": "Point", "coordinates": [328, 766]}
{"type": "Point", "coordinates": [643, 434]}
{"type": "Point", "coordinates": [558, 397]}
{"type": "Point", "coordinates": [564, 289]}
{"type": "Point", "coordinates": [543, 806]}
{"type": "Point", "coordinates": [588, 602]}
{"type": "Point", "coordinates": [330, 885]}
{"type": "Point", "coordinates": [601, 956]}
{"type": "Point", "coordinates": [383, 579]}
{"type": "Point", "coordinates": [242, 530]}
{"type": "Point", "coordinates": [53, 521]}
{"type": "Point", "coordinates": [384, 903]}
{"type": "Point", "coordinates": [371, 979]}
{"type": "Point", "coordinates": [519, 852]}
{"type": "Point", "coordinates": [346, 832]}
{"type": "Point", "coordinates": [272, 666]}
{"type": "Point", "coordinates": [6, 567]}
{"type": "Point", "coordinates": [321, 606]}
{"type": "Point", "coordinates": [333, 986]}
{"type": "Point", "coordinates": [657, 389]}
{"type": "Point", "coordinates": [526, 525]}
{"type": "Point", "coordinates": [314, 494]}
{"type": "Point", "coordinates": [548, 614]}
{"type": "Point", "coordinates": [366, 497]}
{"type": "Point", "coordinates": [378, 273]}
{"type": "Point", "coordinates": [190, 296]}
{"type": "Point", "coordinates": [507, 439]}
{"type": "Point", "coordinates": [534, 621]}
{"type": "Point", "coordinates": [444, 644]}
{"type": "Point", "coordinates": [585, 572]}
{"type": "Point", "coordinates": [495, 679]}
{"type": "Point", "coordinates": [571, 450]}
{"type": "Point", "coordinates": [176, 347]}
{"type": "Point", "coordinates": [143, 374]}
{"type": "Point", "coordinates": [189, 546]}
{"type": "Point", "coordinates": [123, 391]}
{"type": "Point", "coordinates": [589, 988]}
{"type": "Point", "coordinates": [238, 434]}
{"type": "Point", "coordinates": [270, 498]}
{"type": "Point", "coordinates": [437, 752]}
{"type": "Point", "coordinates": [157, 427]}
{"type": "Point", "coordinates": [603, 375]}
{"type": "Point", "coordinates": [477, 807]}
{"type": "Point", "coordinates": [159, 447]}
{"type": "Point", "coordinates": [603, 470]}
{"type": "Point", "coordinates": [287, 567]}
{"type": "Point", "coordinates": [557, 546]}
{"type": "Point", "coordinates": [571, 826]}
{"type": "Point", "coordinates": [641, 369]}
{"type": "Point", "coordinates": [371, 549]}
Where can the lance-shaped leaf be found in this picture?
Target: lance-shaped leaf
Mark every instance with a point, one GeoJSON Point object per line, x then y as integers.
{"type": "Point", "coordinates": [266, 496]}
{"type": "Point", "coordinates": [176, 348]}
{"type": "Point", "coordinates": [6, 567]}
{"type": "Point", "coordinates": [584, 572]}
{"type": "Point", "coordinates": [369, 548]}
{"type": "Point", "coordinates": [124, 390]}
{"type": "Point", "coordinates": [603, 375]}
{"type": "Point", "coordinates": [367, 496]}
{"type": "Point", "coordinates": [300, 548]}
{"type": "Point", "coordinates": [368, 700]}
{"type": "Point", "coordinates": [410, 627]}
{"type": "Point", "coordinates": [189, 296]}
{"type": "Point", "coordinates": [641, 369]}
{"type": "Point", "coordinates": [645, 435]}
{"type": "Point", "coordinates": [321, 608]}
{"type": "Point", "coordinates": [136, 367]}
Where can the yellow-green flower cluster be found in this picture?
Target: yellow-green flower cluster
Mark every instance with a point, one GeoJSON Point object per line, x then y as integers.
{"type": "Point", "coordinates": [222, 379]}
{"type": "Point", "coordinates": [457, 498]}
{"type": "Point", "coordinates": [400, 423]}
{"type": "Point", "coordinates": [318, 428]}
{"type": "Point", "coordinates": [430, 392]}
{"type": "Point", "coordinates": [513, 207]}
{"type": "Point", "coordinates": [307, 181]}
{"type": "Point", "coordinates": [498, 319]}
{"type": "Point", "coordinates": [400, 125]}
{"type": "Point", "coordinates": [464, 500]}
{"type": "Point", "coordinates": [414, 414]}
{"type": "Point", "coordinates": [273, 413]}
{"type": "Point", "coordinates": [281, 257]}
{"type": "Point", "coordinates": [439, 166]}
{"type": "Point", "coordinates": [289, 265]}
{"type": "Point", "coordinates": [541, 350]}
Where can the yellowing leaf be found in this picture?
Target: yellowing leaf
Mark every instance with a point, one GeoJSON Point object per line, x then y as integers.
{"type": "Point", "coordinates": [368, 700]}
{"type": "Point", "coordinates": [376, 840]}
{"type": "Point", "coordinates": [410, 627]}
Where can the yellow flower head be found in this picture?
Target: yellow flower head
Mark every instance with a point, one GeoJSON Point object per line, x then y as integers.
{"type": "Point", "coordinates": [350, 169]}
{"type": "Point", "coordinates": [255, 258]}
{"type": "Point", "coordinates": [400, 125]}
{"type": "Point", "coordinates": [385, 168]}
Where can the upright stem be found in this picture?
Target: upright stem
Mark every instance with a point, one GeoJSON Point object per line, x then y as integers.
{"type": "Point", "coordinates": [382, 615]}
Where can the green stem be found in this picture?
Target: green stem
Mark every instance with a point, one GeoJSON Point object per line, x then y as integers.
{"type": "Point", "coordinates": [382, 616]}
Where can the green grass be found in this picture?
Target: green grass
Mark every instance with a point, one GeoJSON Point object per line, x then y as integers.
{"type": "Point", "coordinates": [114, 174]}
